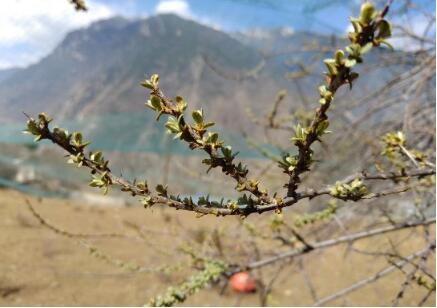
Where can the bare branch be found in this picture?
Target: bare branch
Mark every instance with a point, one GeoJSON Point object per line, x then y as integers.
{"type": "Point", "coordinates": [57, 230]}
{"type": "Point", "coordinates": [371, 279]}
{"type": "Point", "coordinates": [339, 240]}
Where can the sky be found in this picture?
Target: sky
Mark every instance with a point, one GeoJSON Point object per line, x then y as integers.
{"type": "Point", "coordinates": [30, 29]}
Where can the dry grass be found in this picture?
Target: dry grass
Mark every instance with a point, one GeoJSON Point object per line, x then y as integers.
{"type": "Point", "coordinates": [39, 267]}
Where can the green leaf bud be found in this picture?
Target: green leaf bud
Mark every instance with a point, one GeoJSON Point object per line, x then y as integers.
{"type": "Point", "coordinates": [198, 116]}
{"type": "Point", "coordinates": [367, 12]}
{"type": "Point", "coordinates": [339, 54]}
{"type": "Point", "coordinates": [330, 65]}
{"type": "Point", "coordinates": [181, 104]}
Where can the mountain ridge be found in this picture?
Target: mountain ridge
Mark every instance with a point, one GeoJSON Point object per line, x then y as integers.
{"type": "Point", "coordinates": [106, 62]}
{"type": "Point", "coordinates": [97, 70]}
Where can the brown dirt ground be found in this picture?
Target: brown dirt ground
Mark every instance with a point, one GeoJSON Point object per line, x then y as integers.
{"type": "Point", "coordinates": [41, 268]}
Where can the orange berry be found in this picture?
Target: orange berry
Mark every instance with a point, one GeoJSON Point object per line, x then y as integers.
{"type": "Point", "coordinates": [242, 282]}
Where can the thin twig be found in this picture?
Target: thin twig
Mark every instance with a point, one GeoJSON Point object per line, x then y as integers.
{"type": "Point", "coordinates": [371, 279]}
{"type": "Point", "coordinates": [70, 234]}
{"type": "Point", "coordinates": [336, 241]}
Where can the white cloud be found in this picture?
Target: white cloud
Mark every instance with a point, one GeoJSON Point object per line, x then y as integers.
{"type": "Point", "coordinates": [349, 28]}
{"type": "Point", "coordinates": [178, 7]}
{"type": "Point", "coordinates": [21, 58]}
{"type": "Point", "coordinates": [40, 25]}
{"type": "Point", "coordinates": [287, 31]}
{"type": "Point", "coordinates": [182, 9]}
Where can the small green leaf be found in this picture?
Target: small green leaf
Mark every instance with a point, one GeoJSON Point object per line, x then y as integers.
{"type": "Point", "coordinates": [300, 133]}
{"type": "Point", "coordinates": [172, 125]}
{"type": "Point", "coordinates": [181, 104]}
{"type": "Point", "coordinates": [330, 65]}
{"type": "Point", "coordinates": [154, 80]}
{"type": "Point", "coordinates": [76, 139]}
{"type": "Point", "coordinates": [384, 29]}
{"type": "Point", "coordinates": [155, 101]}
{"type": "Point", "coordinates": [366, 48]}
{"type": "Point", "coordinates": [367, 12]}
{"type": "Point", "coordinates": [44, 119]}
{"type": "Point", "coordinates": [32, 128]}
{"type": "Point", "coordinates": [339, 54]}
{"type": "Point", "coordinates": [147, 84]}
{"type": "Point", "coordinates": [356, 24]}
{"type": "Point", "coordinates": [212, 137]}
{"type": "Point", "coordinates": [208, 124]}
{"type": "Point", "coordinates": [350, 62]}
{"type": "Point", "coordinates": [96, 156]}
{"type": "Point", "coordinates": [61, 135]}
{"type": "Point", "coordinates": [198, 116]}
{"type": "Point", "coordinates": [321, 128]}
{"type": "Point", "coordinates": [161, 190]}
{"type": "Point", "coordinates": [147, 201]}
{"type": "Point", "coordinates": [227, 151]}
{"type": "Point", "coordinates": [322, 90]}
{"type": "Point", "coordinates": [390, 46]}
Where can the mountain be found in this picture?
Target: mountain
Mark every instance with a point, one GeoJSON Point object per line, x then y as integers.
{"type": "Point", "coordinates": [6, 73]}
{"type": "Point", "coordinates": [96, 71]}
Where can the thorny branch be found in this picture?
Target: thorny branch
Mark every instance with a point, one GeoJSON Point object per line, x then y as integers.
{"type": "Point", "coordinates": [349, 189]}
{"type": "Point", "coordinates": [371, 29]}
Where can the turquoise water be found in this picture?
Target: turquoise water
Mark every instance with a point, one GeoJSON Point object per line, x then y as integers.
{"type": "Point", "coordinates": [122, 132]}
{"type": "Point", "coordinates": [126, 132]}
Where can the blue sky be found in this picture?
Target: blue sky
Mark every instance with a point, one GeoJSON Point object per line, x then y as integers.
{"type": "Point", "coordinates": [30, 29]}
{"type": "Point", "coordinates": [234, 15]}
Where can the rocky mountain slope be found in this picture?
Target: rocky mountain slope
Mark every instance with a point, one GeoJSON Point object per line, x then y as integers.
{"type": "Point", "coordinates": [93, 75]}
{"type": "Point", "coordinates": [98, 69]}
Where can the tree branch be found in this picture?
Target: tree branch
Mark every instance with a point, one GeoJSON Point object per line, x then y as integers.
{"type": "Point", "coordinates": [371, 279]}
{"type": "Point", "coordinates": [336, 241]}
{"type": "Point", "coordinates": [369, 31]}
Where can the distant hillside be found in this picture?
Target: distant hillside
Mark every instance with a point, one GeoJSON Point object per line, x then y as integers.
{"type": "Point", "coordinates": [6, 73]}
{"type": "Point", "coordinates": [91, 83]}
{"type": "Point", "coordinates": [98, 69]}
